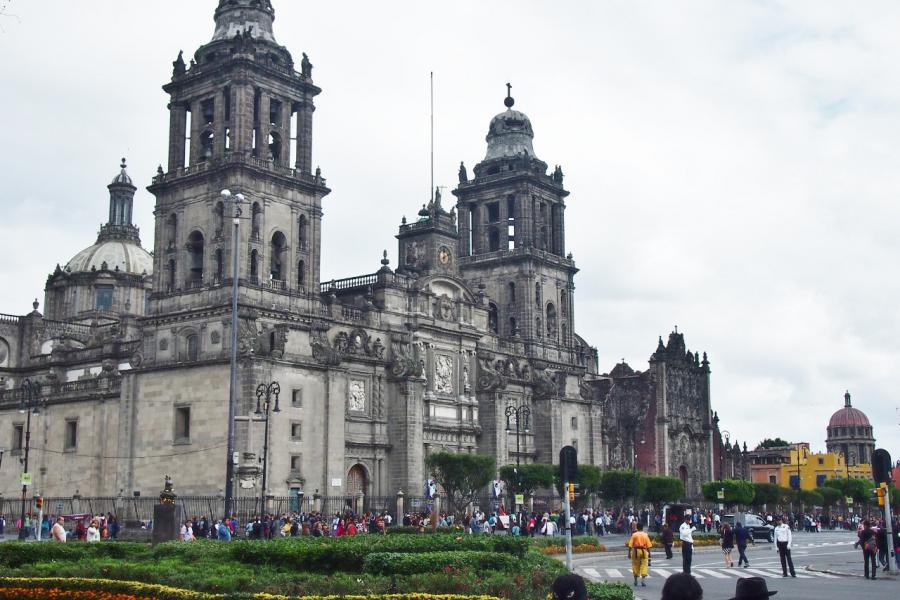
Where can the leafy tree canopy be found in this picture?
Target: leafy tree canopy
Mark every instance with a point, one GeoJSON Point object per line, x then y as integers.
{"type": "Point", "coordinates": [830, 496]}
{"type": "Point", "coordinates": [525, 479]}
{"type": "Point", "coordinates": [659, 490]}
{"type": "Point", "coordinates": [811, 498]}
{"type": "Point", "coordinates": [766, 494]}
{"type": "Point", "coordinates": [772, 443]}
{"type": "Point", "coordinates": [858, 489]}
{"type": "Point", "coordinates": [737, 491]}
{"type": "Point", "coordinates": [461, 475]}
{"type": "Point", "coordinates": [619, 485]}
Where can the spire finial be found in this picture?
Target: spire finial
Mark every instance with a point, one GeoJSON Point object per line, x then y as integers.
{"type": "Point", "coordinates": [847, 399]}
{"type": "Point", "coordinates": [123, 162]}
{"type": "Point", "coordinates": [509, 101]}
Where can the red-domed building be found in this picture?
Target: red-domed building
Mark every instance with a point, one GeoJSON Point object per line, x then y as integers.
{"type": "Point", "coordinates": [850, 434]}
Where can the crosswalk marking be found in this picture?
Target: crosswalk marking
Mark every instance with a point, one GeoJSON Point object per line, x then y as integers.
{"type": "Point", "coordinates": [716, 574]}
{"type": "Point", "coordinates": [664, 573]}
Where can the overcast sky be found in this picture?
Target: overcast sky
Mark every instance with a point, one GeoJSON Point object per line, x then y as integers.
{"type": "Point", "coordinates": [732, 165]}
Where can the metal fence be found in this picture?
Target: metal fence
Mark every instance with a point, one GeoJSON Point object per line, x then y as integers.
{"type": "Point", "coordinates": [131, 510]}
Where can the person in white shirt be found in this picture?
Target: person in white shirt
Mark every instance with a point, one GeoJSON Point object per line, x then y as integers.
{"type": "Point", "coordinates": [784, 541]}
{"type": "Point", "coordinates": [93, 532]}
{"type": "Point", "coordinates": [187, 532]}
{"type": "Point", "coordinates": [686, 535]}
{"type": "Point", "coordinates": [58, 532]}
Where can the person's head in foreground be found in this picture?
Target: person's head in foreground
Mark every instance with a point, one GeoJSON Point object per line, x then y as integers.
{"type": "Point", "coordinates": [682, 586]}
{"type": "Point", "coordinates": [569, 587]}
{"type": "Point", "coordinates": [751, 588]}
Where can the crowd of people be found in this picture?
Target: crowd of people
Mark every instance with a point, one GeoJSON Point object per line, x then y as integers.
{"type": "Point", "coordinates": [85, 528]}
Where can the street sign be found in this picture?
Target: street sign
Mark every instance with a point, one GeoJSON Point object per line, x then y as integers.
{"type": "Point", "coordinates": [849, 500]}
{"type": "Point", "coordinates": [720, 494]}
{"type": "Point", "coordinates": [520, 498]}
{"type": "Point", "coordinates": [26, 478]}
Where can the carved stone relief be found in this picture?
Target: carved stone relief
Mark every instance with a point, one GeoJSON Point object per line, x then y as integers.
{"type": "Point", "coordinates": [443, 374]}
{"type": "Point", "coordinates": [444, 308]}
{"type": "Point", "coordinates": [356, 401]}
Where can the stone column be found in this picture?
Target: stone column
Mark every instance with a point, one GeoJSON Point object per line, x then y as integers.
{"type": "Point", "coordinates": [177, 125]}
{"type": "Point", "coordinates": [219, 125]}
{"type": "Point", "coordinates": [285, 131]}
{"type": "Point", "coordinates": [399, 516]}
{"type": "Point", "coordinates": [465, 245]}
{"type": "Point", "coordinates": [262, 128]}
{"type": "Point", "coordinates": [196, 128]}
{"type": "Point", "coordinates": [304, 136]}
{"type": "Point", "coordinates": [242, 117]}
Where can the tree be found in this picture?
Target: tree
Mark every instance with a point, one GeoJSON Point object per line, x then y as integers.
{"type": "Point", "coordinates": [659, 490]}
{"type": "Point", "coordinates": [830, 496]}
{"type": "Point", "coordinates": [810, 498]}
{"type": "Point", "coordinates": [525, 479]}
{"type": "Point", "coordinates": [772, 443]}
{"type": "Point", "coordinates": [461, 475]}
{"type": "Point", "coordinates": [856, 488]}
{"type": "Point", "coordinates": [737, 491]}
{"type": "Point", "coordinates": [616, 486]}
{"type": "Point", "coordinates": [587, 479]}
{"type": "Point", "coordinates": [766, 494]}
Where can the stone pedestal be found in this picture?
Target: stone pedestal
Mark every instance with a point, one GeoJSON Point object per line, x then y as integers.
{"type": "Point", "coordinates": [167, 520]}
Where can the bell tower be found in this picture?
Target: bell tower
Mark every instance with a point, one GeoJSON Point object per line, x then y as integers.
{"type": "Point", "coordinates": [240, 118]}
{"type": "Point", "coordinates": [512, 239]}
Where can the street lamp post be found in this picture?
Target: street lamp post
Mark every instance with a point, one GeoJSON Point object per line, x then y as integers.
{"type": "Point", "coordinates": [634, 489]}
{"type": "Point", "coordinates": [265, 405]}
{"type": "Point", "coordinates": [237, 200]}
{"type": "Point", "coordinates": [31, 399]}
{"type": "Point", "coordinates": [521, 413]}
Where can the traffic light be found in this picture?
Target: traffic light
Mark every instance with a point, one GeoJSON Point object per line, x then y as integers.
{"type": "Point", "coordinates": [39, 502]}
{"type": "Point", "coordinates": [879, 494]}
{"type": "Point", "coordinates": [571, 492]}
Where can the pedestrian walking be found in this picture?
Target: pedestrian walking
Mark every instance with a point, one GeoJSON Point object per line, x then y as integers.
{"type": "Point", "coordinates": [727, 536]}
{"type": "Point", "coordinates": [751, 588]}
{"type": "Point", "coordinates": [686, 535]}
{"type": "Point", "coordinates": [869, 544]}
{"type": "Point", "coordinates": [741, 536]}
{"type": "Point", "coordinates": [639, 553]}
{"type": "Point", "coordinates": [668, 538]}
{"type": "Point", "coordinates": [784, 541]}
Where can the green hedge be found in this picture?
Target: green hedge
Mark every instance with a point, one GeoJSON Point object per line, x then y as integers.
{"type": "Point", "coordinates": [609, 591]}
{"type": "Point", "coordinates": [14, 554]}
{"type": "Point", "coordinates": [560, 540]}
{"type": "Point", "coordinates": [396, 563]}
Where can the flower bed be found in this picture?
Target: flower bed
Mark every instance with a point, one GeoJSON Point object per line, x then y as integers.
{"type": "Point", "coordinates": [576, 548]}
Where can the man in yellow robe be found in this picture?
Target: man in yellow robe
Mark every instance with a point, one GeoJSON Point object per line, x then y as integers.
{"type": "Point", "coordinates": [639, 553]}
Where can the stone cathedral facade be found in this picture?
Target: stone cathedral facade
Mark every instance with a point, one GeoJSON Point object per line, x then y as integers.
{"type": "Point", "coordinates": [376, 371]}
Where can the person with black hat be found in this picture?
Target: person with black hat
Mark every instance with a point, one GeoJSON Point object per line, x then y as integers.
{"type": "Point", "coordinates": [569, 587]}
{"type": "Point", "coordinates": [751, 588]}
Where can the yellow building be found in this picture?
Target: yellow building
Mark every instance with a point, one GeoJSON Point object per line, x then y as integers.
{"type": "Point", "coordinates": [815, 468]}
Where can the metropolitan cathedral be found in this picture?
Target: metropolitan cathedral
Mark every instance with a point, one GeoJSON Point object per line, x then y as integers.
{"type": "Point", "coordinates": [474, 319]}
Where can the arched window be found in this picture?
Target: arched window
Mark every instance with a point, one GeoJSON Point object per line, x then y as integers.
{"type": "Point", "coordinates": [220, 265]}
{"type": "Point", "coordinates": [254, 267]}
{"type": "Point", "coordinates": [171, 229]}
{"type": "Point", "coordinates": [172, 270]}
{"type": "Point", "coordinates": [493, 318]}
{"type": "Point", "coordinates": [220, 218]}
{"type": "Point", "coordinates": [193, 347]}
{"type": "Point", "coordinates": [195, 254]}
{"type": "Point", "coordinates": [207, 138]}
{"type": "Point", "coordinates": [513, 330]}
{"type": "Point", "coordinates": [275, 146]}
{"type": "Point", "coordinates": [255, 218]}
{"type": "Point", "coordinates": [511, 291]}
{"type": "Point", "coordinates": [301, 273]}
{"type": "Point", "coordinates": [537, 327]}
{"type": "Point", "coordinates": [493, 239]}
{"type": "Point", "coordinates": [278, 249]}
{"type": "Point", "coordinates": [301, 232]}
{"type": "Point", "coordinates": [551, 320]}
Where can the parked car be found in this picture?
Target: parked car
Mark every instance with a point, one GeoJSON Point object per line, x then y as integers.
{"type": "Point", "coordinates": [759, 529]}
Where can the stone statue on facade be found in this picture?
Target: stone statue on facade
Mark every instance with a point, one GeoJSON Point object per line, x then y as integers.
{"type": "Point", "coordinates": [306, 66]}
{"type": "Point", "coordinates": [463, 174]}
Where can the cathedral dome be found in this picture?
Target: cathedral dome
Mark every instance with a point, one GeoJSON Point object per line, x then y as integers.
{"type": "Point", "coordinates": [510, 133]}
{"type": "Point", "coordinates": [849, 416]}
{"type": "Point", "coordinates": [123, 178]}
{"type": "Point", "coordinates": [117, 254]}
